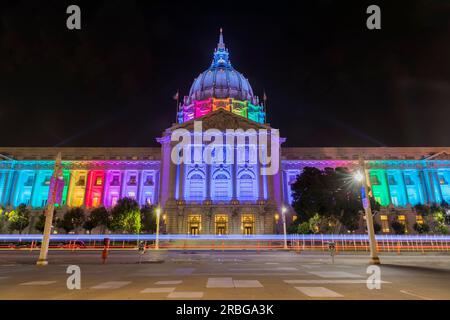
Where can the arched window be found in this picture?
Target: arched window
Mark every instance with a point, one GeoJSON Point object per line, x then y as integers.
{"type": "Point", "coordinates": [221, 186]}
{"type": "Point", "coordinates": [247, 187]}
{"type": "Point", "coordinates": [195, 187]}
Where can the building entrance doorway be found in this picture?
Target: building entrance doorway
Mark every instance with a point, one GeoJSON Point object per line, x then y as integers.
{"type": "Point", "coordinates": [221, 222]}
{"type": "Point", "coordinates": [248, 224]}
{"type": "Point", "coordinates": [194, 224]}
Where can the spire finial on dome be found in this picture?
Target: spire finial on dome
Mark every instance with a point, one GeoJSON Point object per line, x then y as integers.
{"type": "Point", "coordinates": [221, 44]}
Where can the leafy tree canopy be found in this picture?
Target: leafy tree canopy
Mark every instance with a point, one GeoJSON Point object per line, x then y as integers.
{"type": "Point", "coordinates": [98, 217]}
{"type": "Point", "coordinates": [19, 219]}
{"type": "Point", "coordinates": [148, 218]}
{"type": "Point", "coordinates": [126, 216]}
{"type": "Point", "coordinates": [73, 218]}
{"type": "Point", "coordinates": [329, 193]}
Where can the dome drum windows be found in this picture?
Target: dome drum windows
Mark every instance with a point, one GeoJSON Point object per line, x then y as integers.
{"type": "Point", "coordinates": [221, 104]}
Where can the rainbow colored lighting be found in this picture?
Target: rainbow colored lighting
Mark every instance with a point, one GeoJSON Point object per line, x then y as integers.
{"type": "Point", "coordinates": [86, 183]}
{"type": "Point", "coordinates": [201, 108]}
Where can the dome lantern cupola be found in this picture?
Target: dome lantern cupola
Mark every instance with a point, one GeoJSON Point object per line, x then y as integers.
{"type": "Point", "coordinates": [221, 56]}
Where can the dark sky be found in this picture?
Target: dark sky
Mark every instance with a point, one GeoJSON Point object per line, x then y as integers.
{"type": "Point", "coordinates": [329, 80]}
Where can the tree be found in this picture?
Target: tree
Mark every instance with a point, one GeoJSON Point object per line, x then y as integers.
{"type": "Point", "coordinates": [421, 227]}
{"type": "Point", "coordinates": [74, 218]}
{"type": "Point", "coordinates": [148, 218]}
{"type": "Point", "coordinates": [438, 225]}
{"type": "Point", "coordinates": [89, 225]}
{"type": "Point", "coordinates": [293, 227]}
{"type": "Point", "coordinates": [3, 218]}
{"type": "Point", "coordinates": [398, 227]}
{"type": "Point", "coordinates": [331, 194]}
{"type": "Point", "coordinates": [19, 219]}
{"type": "Point", "coordinates": [126, 216]}
{"type": "Point", "coordinates": [422, 209]}
{"type": "Point", "coordinates": [308, 193]}
{"type": "Point", "coordinates": [376, 227]}
{"type": "Point", "coordinates": [40, 223]}
{"type": "Point", "coordinates": [304, 228]}
{"type": "Point", "coordinates": [99, 217]}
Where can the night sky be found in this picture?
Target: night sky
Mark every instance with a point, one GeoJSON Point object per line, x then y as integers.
{"type": "Point", "coordinates": [329, 80]}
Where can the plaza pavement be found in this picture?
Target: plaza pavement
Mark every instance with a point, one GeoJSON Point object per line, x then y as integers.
{"type": "Point", "coordinates": [217, 275]}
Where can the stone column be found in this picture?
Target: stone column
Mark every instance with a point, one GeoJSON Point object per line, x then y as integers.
{"type": "Point", "coordinates": [8, 184]}
{"type": "Point", "coordinates": [388, 190]}
{"type": "Point", "coordinates": [405, 189]}
{"type": "Point", "coordinates": [423, 187]}
{"type": "Point", "coordinates": [181, 181]}
{"type": "Point", "coordinates": [430, 187]}
{"type": "Point", "coordinates": [260, 178]}
{"type": "Point", "coordinates": [208, 181]}
{"type": "Point", "coordinates": [33, 187]}
{"type": "Point", "coordinates": [172, 180]}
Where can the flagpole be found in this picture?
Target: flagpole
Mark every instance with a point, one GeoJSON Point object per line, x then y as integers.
{"type": "Point", "coordinates": [177, 107]}
{"type": "Point", "coordinates": [265, 105]}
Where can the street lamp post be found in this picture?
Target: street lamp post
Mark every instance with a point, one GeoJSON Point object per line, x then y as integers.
{"type": "Point", "coordinates": [362, 176]}
{"type": "Point", "coordinates": [283, 211]}
{"type": "Point", "coordinates": [158, 214]}
{"type": "Point", "coordinates": [57, 174]}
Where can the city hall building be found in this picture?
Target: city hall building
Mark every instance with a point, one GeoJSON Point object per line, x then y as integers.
{"type": "Point", "coordinates": [218, 197]}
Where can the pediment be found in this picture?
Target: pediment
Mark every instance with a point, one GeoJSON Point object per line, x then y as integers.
{"type": "Point", "coordinates": [443, 155]}
{"type": "Point", "coordinates": [222, 119]}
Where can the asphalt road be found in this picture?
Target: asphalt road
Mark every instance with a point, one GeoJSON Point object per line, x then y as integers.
{"type": "Point", "coordinates": [225, 275]}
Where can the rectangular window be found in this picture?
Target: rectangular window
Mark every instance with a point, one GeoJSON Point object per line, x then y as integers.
{"type": "Point", "coordinates": [442, 179]}
{"type": "Point", "coordinates": [114, 200]}
{"type": "Point", "coordinates": [394, 200]}
{"type": "Point", "coordinates": [95, 201]}
{"type": "Point", "coordinates": [419, 219]}
{"type": "Point", "coordinates": [81, 181]}
{"type": "Point", "coordinates": [384, 223]}
{"type": "Point", "coordinates": [115, 181]}
{"type": "Point", "coordinates": [46, 181]}
{"type": "Point", "coordinates": [408, 181]}
{"type": "Point", "coordinates": [374, 181]}
{"type": "Point", "coordinates": [391, 180]}
{"type": "Point", "coordinates": [98, 181]}
{"type": "Point", "coordinates": [132, 181]}
{"type": "Point", "coordinates": [29, 181]}
{"type": "Point", "coordinates": [149, 181]}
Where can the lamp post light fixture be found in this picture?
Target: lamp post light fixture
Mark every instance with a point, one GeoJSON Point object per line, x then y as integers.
{"type": "Point", "coordinates": [361, 177]}
{"type": "Point", "coordinates": [158, 215]}
{"type": "Point", "coordinates": [283, 211]}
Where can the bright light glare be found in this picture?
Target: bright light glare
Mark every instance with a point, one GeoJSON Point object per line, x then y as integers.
{"type": "Point", "coordinates": [358, 176]}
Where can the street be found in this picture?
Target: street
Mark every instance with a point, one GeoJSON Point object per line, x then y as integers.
{"type": "Point", "coordinates": [227, 275]}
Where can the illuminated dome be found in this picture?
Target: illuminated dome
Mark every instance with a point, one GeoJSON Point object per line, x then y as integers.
{"type": "Point", "coordinates": [221, 87]}
{"type": "Point", "coordinates": [221, 80]}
